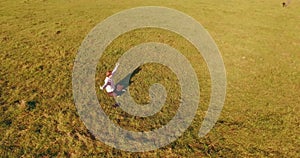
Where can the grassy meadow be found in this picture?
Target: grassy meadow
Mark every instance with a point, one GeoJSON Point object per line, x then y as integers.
{"type": "Point", "coordinates": [259, 42]}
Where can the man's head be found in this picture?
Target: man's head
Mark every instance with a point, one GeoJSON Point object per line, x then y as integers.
{"type": "Point", "coordinates": [108, 73]}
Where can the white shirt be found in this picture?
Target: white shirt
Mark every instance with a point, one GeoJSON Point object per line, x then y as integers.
{"type": "Point", "coordinates": [109, 84]}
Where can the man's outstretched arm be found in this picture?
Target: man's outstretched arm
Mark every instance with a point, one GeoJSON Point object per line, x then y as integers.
{"type": "Point", "coordinates": [104, 85]}
{"type": "Point", "coordinates": [115, 69]}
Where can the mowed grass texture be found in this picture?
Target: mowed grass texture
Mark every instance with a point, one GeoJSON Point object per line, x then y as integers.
{"type": "Point", "coordinates": [259, 42]}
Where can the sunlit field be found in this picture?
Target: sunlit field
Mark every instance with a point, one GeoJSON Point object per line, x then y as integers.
{"type": "Point", "coordinates": [258, 40]}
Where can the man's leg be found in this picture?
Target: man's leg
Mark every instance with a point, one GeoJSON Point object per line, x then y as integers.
{"type": "Point", "coordinates": [114, 94]}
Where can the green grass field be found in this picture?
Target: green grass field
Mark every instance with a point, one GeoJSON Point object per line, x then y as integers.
{"type": "Point", "coordinates": [259, 42]}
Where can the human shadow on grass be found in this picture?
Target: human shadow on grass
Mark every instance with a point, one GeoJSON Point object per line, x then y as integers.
{"type": "Point", "coordinates": [126, 82]}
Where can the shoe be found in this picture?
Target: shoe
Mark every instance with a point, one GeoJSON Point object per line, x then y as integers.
{"type": "Point", "coordinates": [116, 105]}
